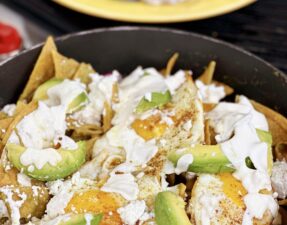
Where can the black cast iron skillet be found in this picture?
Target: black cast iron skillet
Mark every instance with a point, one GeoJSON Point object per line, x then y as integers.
{"type": "Point", "coordinates": [124, 48]}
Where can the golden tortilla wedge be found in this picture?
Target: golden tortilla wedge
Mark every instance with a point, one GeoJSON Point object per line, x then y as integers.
{"type": "Point", "coordinates": [43, 69]}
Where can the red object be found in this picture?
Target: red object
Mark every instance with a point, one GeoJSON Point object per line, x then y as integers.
{"type": "Point", "coordinates": [10, 39]}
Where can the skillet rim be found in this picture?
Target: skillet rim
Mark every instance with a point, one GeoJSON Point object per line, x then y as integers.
{"type": "Point", "coordinates": [61, 38]}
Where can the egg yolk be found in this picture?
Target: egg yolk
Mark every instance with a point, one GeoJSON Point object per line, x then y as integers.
{"type": "Point", "coordinates": [149, 128]}
{"type": "Point", "coordinates": [95, 201]}
{"type": "Point", "coordinates": [233, 189]}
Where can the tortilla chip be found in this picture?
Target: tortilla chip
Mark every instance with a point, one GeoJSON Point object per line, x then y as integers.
{"type": "Point", "coordinates": [277, 123]}
{"type": "Point", "coordinates": [278, 128]}
{"type": "Point", "coordinates": [207, 138]}
{"type": "Point", "coordinates": [170, 64]}
{"type": "Point", "coordinates": [283, 213]}
{"type": "Point", "coordinates": [26, 109]}
{"type": "Point", "coordinates": [90, 146]}
{"type": "Point", "coordinates": [209, 133]}
{"type": "Point", "coordinates": [65, 68]}
{"type": "Point", "coordinates": [280, 152]}
{"type": "Point", "coordinates": [8, 177]}
{"type": "Point", "coordinates": [115, 93]}
{"type": "Point", "coordinates": [282, 202]}
{"type": "Point", "coordinates": [107, 116]}
{"type": "Point", "coordinates": [83, 72]}
{"type": "Point", "coordinates": [35, 204]}
{"type": "Point", "coordinates": [20, 105]}
{"type": "Point", "coordinates": [207, 76]}
{"type": "Point", "coordinates": [85, 132]}
{"type": "Point", "coordinates": [3, 115]}
{"type": "Point", "coordinates": [43, 69]}
{"type": "Point", "coordinates": [4, 124]}
{"type": "Point", "coordinates": [207, 107]}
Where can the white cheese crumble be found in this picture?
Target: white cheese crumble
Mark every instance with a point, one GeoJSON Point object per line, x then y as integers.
{"type": "Point", "coordinates": [72, 184]}
{"type": "Point", "coordinates": [9, 109]}
{"type": "Point", "coordinates": [3, 209]}
{"type": "Point", "coordinates": [209, 196]}
{"type": "Point", "coordinates": [175, 81]}
{"type": "Point", "coordinates": [256, 206]}
{"type": "Point", "coordinates": [148, 96]}
{"type": "Point", "coordinates": [66, 142]}
{"type": "Point", "coordinates": [131, 213]}
{"type": "Point", "coordinates": [101, 89]}
{"type": "Point", "coordinates": [39, 128]}
{"type": "Point", "coordinates": [39, 157]}
{"type": "Point", "coordinates": [64, 93]}
{"type": "Point", "coordinates": [279, 178]}
{"type": "Point", "coordinates": [24, 180]}
{"type": "Point", "coordinates": [183, 163]}
{"type": "Point", "coordinates": [210, 93]}
{"type": "Point", "coordinates": [13, 204]}
{"type": "Point", "coordinates": [187, 125]}
{"type": "Point", "coordinates": [56, 206]}
{"type": "Point", "coordinates": [88, 218]}
{"type": "Point", "coordinates": [123, 184]}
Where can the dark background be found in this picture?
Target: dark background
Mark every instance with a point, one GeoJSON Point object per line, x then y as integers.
{"type": "Point", "coordinates": [260, 28]}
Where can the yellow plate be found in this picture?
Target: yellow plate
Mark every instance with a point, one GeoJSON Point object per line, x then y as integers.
{"type": "Point", "coordinates": [133, 11]}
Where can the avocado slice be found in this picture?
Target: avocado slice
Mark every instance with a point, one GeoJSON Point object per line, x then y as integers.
{"type": "Point", "coordinates": [70, 162]}
{"type": "Point", "coordinates": [206, 159]}
{"type": "Point", "coordinates": [78, 103]}
{"type": "Point", "coordinates": [41, 91]}
{"type": "Point", "coordinates": [266, 137]}
{"type": "Point", "coordinates": [211, 159]}
{"type": "Point", "coordinates": [41, 94]}
{"type": "Point", "coordinates": [83, 219]}
{"type": "Point", "coordinates": [170, 209]}
{"type": "Point", "coordinates": [157, 99]}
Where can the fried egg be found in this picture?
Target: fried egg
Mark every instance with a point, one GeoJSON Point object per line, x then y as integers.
{"type": "Point", "coordinates": [96, 201]}
{"type": "Point", "coordinates": [219, 199]}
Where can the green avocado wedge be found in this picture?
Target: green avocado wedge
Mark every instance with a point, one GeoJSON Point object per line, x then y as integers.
{"type": "Point", "coordinates": [157, 99]}
{"type": "Point", "coordinates": [206, 159]}
{"type": "Point", "coordinates": [82, 219]}
{"type": "Point", "coordinates": [211, 159]}
{"type": "Point", "coordinates": [76, 104]}
{"type": "Point", "coordinates": [266, 137]}
{"type": "Point", "coordinates": [70, 162]}
{"type": "Point", "coordinates": [41, 91]}
{"type": "Point", "coordinates": [169, 209]}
